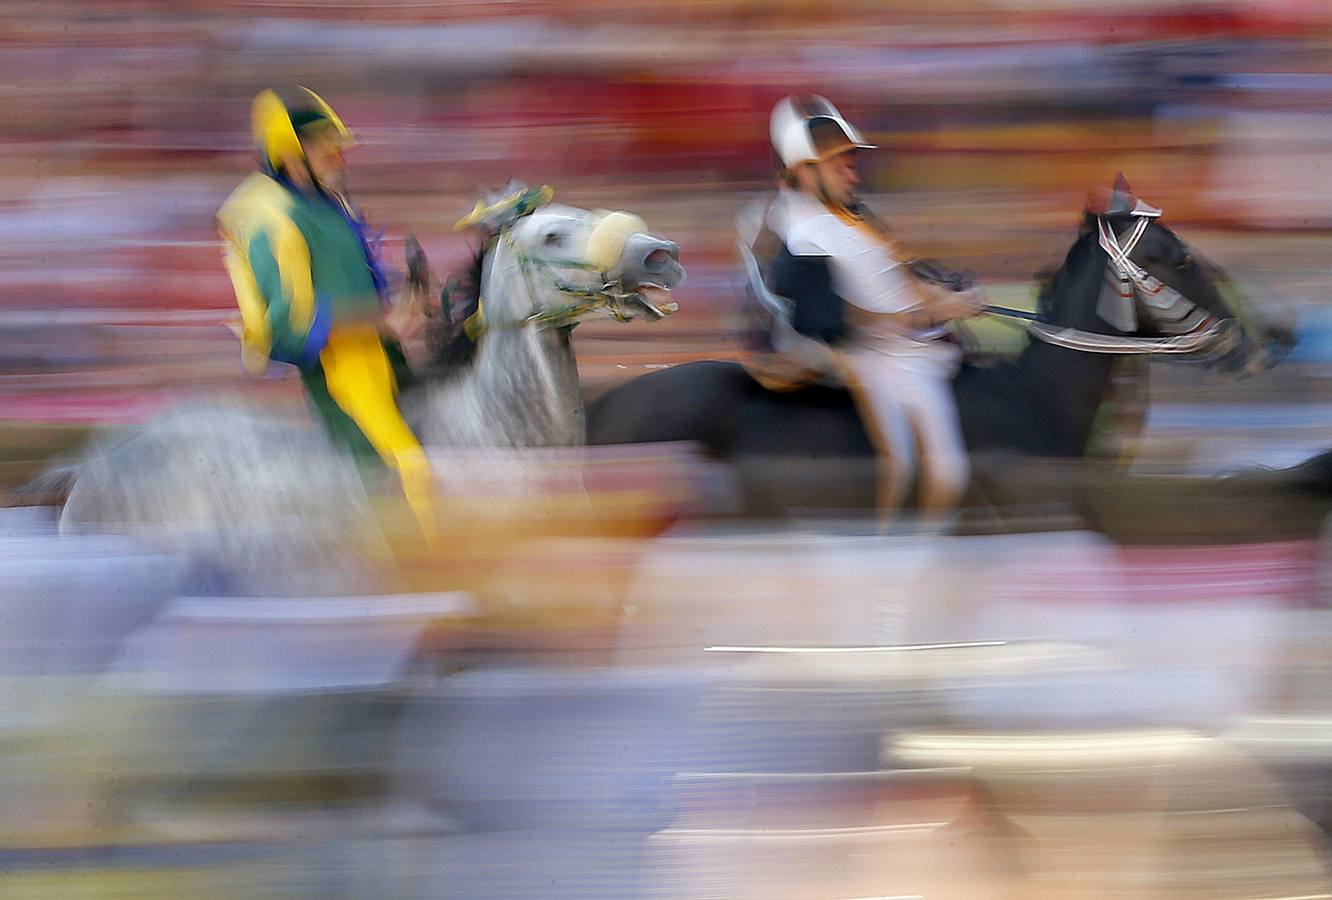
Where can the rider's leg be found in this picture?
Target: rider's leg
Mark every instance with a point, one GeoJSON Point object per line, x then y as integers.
{"type": "Point", "coordinates": [359, 376]}
{"type": "Point", "coordinates": [877, 388]}
{"type": "Point", "coordinates": [341, 427]}
{"type": "Point", "coordinates": [944, 466]}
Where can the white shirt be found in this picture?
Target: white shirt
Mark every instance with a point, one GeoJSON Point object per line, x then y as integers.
{"type": "Point", "coordinates": [864, 271]}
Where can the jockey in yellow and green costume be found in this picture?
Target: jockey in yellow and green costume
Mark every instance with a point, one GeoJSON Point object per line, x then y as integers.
{"type": "Point", "coordinates": [310, 288]}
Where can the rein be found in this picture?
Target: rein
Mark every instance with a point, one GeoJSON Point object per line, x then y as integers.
{"type": "Point", "coordinates": [1220, 337]}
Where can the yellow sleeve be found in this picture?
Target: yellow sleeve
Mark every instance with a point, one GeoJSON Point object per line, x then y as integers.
{"type": "Point", "coordinates": [279, 259]}
{"type": "Point", "coordinates": [256, 337]}
{"type": "Point", "coordinates": [293, 261]}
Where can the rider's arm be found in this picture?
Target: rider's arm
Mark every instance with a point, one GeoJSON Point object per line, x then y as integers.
{"type": "Point", "coordinates": [875, 281]}
{"type": "Point", "coordinates": [255, 335]}
{"type": "Point", "coordinates": [280, 259]}
{"type": "Point", "coordinates": [941, 304]}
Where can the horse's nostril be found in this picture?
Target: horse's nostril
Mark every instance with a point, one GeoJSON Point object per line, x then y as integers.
{"type": "Point", "coordinates": [657, 260]}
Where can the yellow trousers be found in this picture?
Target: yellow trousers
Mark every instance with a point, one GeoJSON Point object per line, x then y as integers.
{"type": "Point", "coordinates": [360, 381]}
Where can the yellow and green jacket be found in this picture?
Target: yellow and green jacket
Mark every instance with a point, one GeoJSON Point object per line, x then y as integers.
{"type": "Point", "coordinates": [300, 265]}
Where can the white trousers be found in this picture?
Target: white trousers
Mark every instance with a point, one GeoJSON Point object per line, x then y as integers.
{"type": "Point", "coordinates": [907, 402]}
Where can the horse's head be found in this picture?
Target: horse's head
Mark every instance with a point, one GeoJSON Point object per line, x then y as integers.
{"type": "Point", "coordinates": [1157, 295]}
{"type": "Point", "coordinates": [554, 266]}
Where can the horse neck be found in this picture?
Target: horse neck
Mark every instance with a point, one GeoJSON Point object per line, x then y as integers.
{"type": "Point", "coordinates": [530, 377]}
{"type": "Point", "coordinates": [1065, 388]}
{"type": "Point", "coordinates": [526, 376]}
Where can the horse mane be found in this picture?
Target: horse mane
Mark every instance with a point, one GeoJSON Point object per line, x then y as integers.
{"type": "Point", "coordinates": [450, 350]}
{"type": "Point", "coordinates": [1051, 283]}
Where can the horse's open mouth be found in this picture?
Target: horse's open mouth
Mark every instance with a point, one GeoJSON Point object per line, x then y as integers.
{"type": "Point", "coordinates": [656, 299]}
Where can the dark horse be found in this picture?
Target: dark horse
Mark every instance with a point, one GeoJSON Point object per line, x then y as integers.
{"type": "Point", "coordinates": [808, 450]}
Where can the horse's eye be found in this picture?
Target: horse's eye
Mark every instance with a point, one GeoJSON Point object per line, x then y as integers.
{"type": "Point", "coordinates": [1184, 262]}
{"type": "Point", "coordinates": [553, 238]}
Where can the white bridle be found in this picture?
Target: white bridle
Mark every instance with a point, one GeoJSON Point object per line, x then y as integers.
{"type": "Point", "coordinates": [1186, 327]}
{"type": "Point", "coordinates": [1174, 313]}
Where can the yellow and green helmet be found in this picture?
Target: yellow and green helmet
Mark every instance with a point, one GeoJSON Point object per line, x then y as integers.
{"type": "Point", "coordinates": [278, 119]}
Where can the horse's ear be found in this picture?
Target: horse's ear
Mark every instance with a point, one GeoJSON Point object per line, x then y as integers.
{"type": "Point", "coordinates": [1117, 201]}
{"type": "Point", "coordinates": [1121, 196]}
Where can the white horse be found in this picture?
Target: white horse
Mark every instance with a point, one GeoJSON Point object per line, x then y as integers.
{"type": "Point", "coordinates": [545, 273]}
{"type": "Point", "coordinates": [244, 488]}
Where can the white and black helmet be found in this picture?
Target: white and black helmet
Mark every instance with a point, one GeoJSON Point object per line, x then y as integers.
{"type": "Point", "coordinates": [808, 128]}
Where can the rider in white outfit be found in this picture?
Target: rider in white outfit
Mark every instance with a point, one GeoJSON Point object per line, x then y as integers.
{"type": "Point", "coordinates": [883, 322]}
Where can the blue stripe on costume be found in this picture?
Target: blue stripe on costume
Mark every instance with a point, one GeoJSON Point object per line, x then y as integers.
{"type": "Point", "coordinates": [371, 243]}
{"type": "Point", "coordinates": [306, 355]}
{"type": "Point", "coordinates": [317, 336]}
